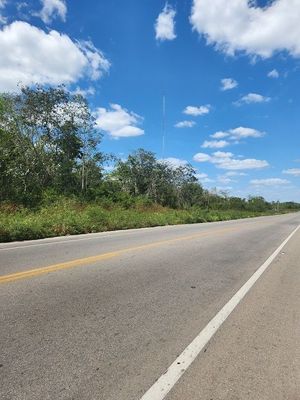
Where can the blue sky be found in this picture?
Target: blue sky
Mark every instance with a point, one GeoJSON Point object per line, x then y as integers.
{"type": "Point", "coordinates": [229, 73]}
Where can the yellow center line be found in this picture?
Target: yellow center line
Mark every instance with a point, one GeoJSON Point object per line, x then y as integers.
{"type": "Point", "coordinates": [105, 256]}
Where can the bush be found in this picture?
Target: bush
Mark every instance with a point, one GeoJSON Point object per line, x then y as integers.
{"type": "Point", "coordinates": [66, 216]}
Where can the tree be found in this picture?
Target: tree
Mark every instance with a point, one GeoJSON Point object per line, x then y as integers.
{"type": "Point", "coordinates": [143, 175]}
{"type": "Point", "coordinates": [20, 164]}
{"type": "Point", "coordinates": [137, 174]}
{"type": "Point", "coordinates": [49, 140]}
{"type": "Point", "coordinates": [192, 194]}
{"type": "Point", "coordinates": [258, 203]}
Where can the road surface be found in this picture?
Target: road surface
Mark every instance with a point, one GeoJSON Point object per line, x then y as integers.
{"type": "Point", "coordinates": [108, 316]}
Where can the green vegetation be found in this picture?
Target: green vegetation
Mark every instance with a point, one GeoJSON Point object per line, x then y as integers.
{"type": "Point", "coordinates": [70, 217]}
{"type": "Point", "coordinates": [53, 180]}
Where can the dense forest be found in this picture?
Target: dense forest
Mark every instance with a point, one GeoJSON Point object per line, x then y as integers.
{"type": "Point", "coordinates": [51, 157]}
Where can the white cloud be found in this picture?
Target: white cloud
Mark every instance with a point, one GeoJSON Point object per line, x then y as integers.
{"type": "Point", "coordinates": [269, 182]}
{"type": "Point", "coordinates": [238, 134]}
{"type": "Point", "coordinates": [253, 98]}
{"type": "Point", "coordinates": [201, 175]}
{"type": "Point", "coordinates": [234, 26]}
{"type": "Point", "coordinates": [2, 5]}
{"type": "Point", "coordinates": [234, 173]}
{"type": "Point", "coordinates": [224, 179]}
{"type": "Point", "coordinates": [52, 9]}
{"type": "Point", "coordinates": [203, 178]}
{"type": "Point", "coordinates": [292, 171]}
{"type": "Point", "coordinates": [96, 62]}
{"type": "Point", "coordinates": [273, 74]}
{"type": "Point", "coordinates": [215, 144]}
{"type": "Point", "coordinates": [247, 163]}
{"type": "Point", "coordinates": [228, 84]}
{"type": "Point", "coordinates": [90, 91]}
{"type": "Point", "coordinates": [30, 55]}
{"type": "Point", "coordinates": [165, 24]}
{"type": "Point", "coordinates": [242, 132]}
{"type": "Point", "coordinates": [185, 124]}
{"type": "Point", "coordinates": [118, 122]}
{"type": "Point", "coordinates": [201, 157]}
{"type": "Point", "coordinates": [219, 135]}
{"type": "Point", "coordinates": [196, 111]}
{"type": "Point", "coordinates": [222, 154]}
{"type": "Point", "coordinates": [226, 160]}
{"type": "Point", "coordinates": [174, 162]}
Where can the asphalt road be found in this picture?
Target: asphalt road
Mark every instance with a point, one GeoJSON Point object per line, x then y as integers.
{"type": "Point", "coordinates": [103, 316]}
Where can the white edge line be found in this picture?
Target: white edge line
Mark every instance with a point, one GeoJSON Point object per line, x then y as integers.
{"type": "Point", "coordinates": [167, 381]}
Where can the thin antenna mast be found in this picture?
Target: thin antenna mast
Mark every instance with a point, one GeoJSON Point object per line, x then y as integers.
{"type": "Point", "coordinates": [164, 127]}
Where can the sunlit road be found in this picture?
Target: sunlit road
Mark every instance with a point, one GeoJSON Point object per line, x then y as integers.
{"type": "Point", "coordinates": [103, 316]}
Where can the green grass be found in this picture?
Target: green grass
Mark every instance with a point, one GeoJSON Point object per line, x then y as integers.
{"type": "Point", "coordinates": [69, 217]}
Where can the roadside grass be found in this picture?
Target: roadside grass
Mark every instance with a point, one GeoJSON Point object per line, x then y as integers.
{"type": "Point", "coordinates": [69, 217]}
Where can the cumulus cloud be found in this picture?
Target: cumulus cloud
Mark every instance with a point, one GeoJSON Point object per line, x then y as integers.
{"type": "Point", "coordinates": [52, 9]}
{"type": "Point", "coordinates": [228, 84]}
{"type": "Point", "coordinates": [215, 144]}
{"type": "Point", "coordinates": [238, 134]}
{"type": "Point", "coordinates": [165, 24]}
{"type": "Point", "coordinates": [226, 160]}
{"type": "Point", "coordinates": [30, 55]}
{"type": "Point", "coordinates": [240, 25]}
{"type": "Point", "coordinates": [97, 64]}
{"type": "Point", "coordinates": [197, 110]}
{"type": "Point", "coordinates": [292, 171]}
{"type": "Point", "coordinates": [201, 175]}
{"type": "Point", "coordinates": [118, 122]}
{"type": "Point", "coordinates": [185, 124]}
{"type": "Point", "coordinates": [2, 5]}
{"type": "Point", "coordinates": [242, 132]}
{"type": "Point", "coordinates": [273, 74]}
{"type": "Point", "coordinates": [202, 157]}
{"type": "Point", "coordinates": [174, 162]}
{"type": "Point", "coordinates": [253, 98]}
{"type": "Point", "coordinates": [234, 173]}
{"type": "Point", "coordinates": [203, 178]}
{"type": "Point", "coordinates": [225, 179]}
{"type": "Point", "coordinates": [90, 91]}
{"type": "Point", "coordinates": [247, 163]}
{"type": "Point", "coordinates": [269, 182]}
{"type": "Point", "coordinates": [219, 135]}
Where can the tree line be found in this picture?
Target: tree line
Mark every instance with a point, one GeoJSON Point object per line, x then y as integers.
{"type": "Point", "coordinates": [49, 146]}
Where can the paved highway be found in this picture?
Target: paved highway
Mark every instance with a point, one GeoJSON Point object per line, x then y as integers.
{"type": "Point", "coordinates": [122, 315]}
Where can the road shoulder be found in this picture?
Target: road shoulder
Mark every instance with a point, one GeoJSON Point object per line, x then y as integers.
{"type": "Point", "coordinates": [256, 354]}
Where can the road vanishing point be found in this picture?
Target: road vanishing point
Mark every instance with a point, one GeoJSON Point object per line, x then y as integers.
{"type": "Point", "coordinates": [189, 312]}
